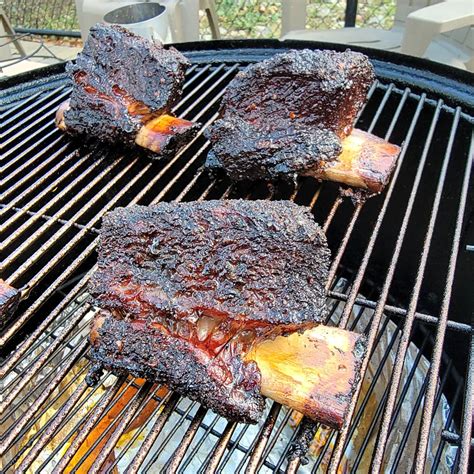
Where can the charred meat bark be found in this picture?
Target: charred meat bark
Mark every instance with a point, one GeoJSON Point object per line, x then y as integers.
{"type": "Point", "coordinates": [294, 115]}
{"type": "Point", "coordinates": [186, 289]}
{"type": "Point", "coordinates": [9, 300]}
{"type": "Point", "coordinates": [316, 88]}
{"type": "Point", "coordinates": [253, 151]}
{"type": "Point", "coordinates": [121, 82]}
{"type": "Point", "coordinates": [222, 302]}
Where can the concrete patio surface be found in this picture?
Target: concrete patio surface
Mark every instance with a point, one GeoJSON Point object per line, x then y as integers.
{"type": "Point", "coordinates": [40, 53]}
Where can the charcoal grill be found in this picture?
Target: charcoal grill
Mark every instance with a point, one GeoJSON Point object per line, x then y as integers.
{"type": "Point", "coordinates": [401, 271]}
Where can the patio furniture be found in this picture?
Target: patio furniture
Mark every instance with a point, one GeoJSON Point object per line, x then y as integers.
{"type": "Point", "coordinates": [183, 16]}
{"type": "Point", "coordinates": [440, 31]}
{"type": "Point", "coordinates": [7, 37]}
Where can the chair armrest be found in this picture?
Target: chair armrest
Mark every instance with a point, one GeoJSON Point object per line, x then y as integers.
{"type": "Point", "coordinates": [293, 15]}
{"type": "Point", "coordinates": [423, 25]}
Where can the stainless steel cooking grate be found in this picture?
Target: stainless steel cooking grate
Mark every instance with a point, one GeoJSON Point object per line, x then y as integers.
{"type": "Point", "coordinates": [397, 273]}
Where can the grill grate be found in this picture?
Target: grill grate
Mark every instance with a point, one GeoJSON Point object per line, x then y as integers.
{"type": "Point", "coordinates": [385, 254]}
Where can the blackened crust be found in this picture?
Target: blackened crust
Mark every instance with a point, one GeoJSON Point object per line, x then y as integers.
{"type": "Point", "coordinates": [122, 348]}
{"type": "Point", "coordinates": [284, 150]}
{"type": "Point", "coordinates": [9, 300]}
{"type": "Point", "coordinates": [118, 72]}
{"type": "Point", "coordinates": [286, 116]}
{"type": "Point", "coordinates": [252, 261]}
{"type": "Point", "coordinates": [319, 88]}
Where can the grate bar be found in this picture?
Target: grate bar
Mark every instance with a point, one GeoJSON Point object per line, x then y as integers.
{"type": "Point", "coordinates": [153, 434]}
{"type": "Point", "coordinates": [78, 425]}
{"type": "Point", "coordinates": [53, 427]}
{"type": "Point", "coordinates": [439, 340]}
{"type": "Point", "coordinates": [140, 430]}
{"type": "Point", "coordinates": [33, 106]}
{"type": "Point", "coordinates": [235, 445]}
{"type": "Point", "coordinates": [331, 214]}
{"type": "Point", "coordinates": [466, 439]}
{"type": "Point", "coordinates": [52, 240]}
{"type": "Point", "coordinates": [20, 105]}
{"type": "Point", "coordinates": [411, 421]}
{"type": "Point", "coordinates": [378, 373]}
{"type": "Point", "coordinates": [26, 378]}
{"type": "Point", "coordinates": [449, 421]}
{"type": "Point", "coordinates": [341, 440]}
{"type": "Point", "coordinates": [78, 352]}
{"type": "Point", "coordinates": [198, 445]}
{"type": "Point", "coordinates": [428, 318]}
{"type": "Point", "coordinates": [67, 248]}
{"type": "Point", "coordinates": [294, 463]}
{"type": "Point", "coordinates": [24, 398]}
{"type": "Point", "coordinates": [47, 217]}
{"type": "Point", "coordinates": [382, 105]}
{"type": "Point", "coordinates": [276, 436]}
{"type": "Point", "coordinates": [12, 201]}
{"type": "Point", "coordinates": [180, 451]}
{"type": "Point", "coordinates": [229, 72]}
{"type": "Point", "coordinates": [93, 418]}
{"type": "Point", "coordinates": [182, 102]}
{"type": "Point", "coordinates": [373, 425]}
{"type": "Point", "coordinates": [183, 416]}
{"type": "Point", "coordinates": [34, 420]}
{"type": "Point", "coordinates": [340, 251]}
{"type": "Point", "coordinates": [40, 432]}
{"type": "Point", "coordinates": [262, 439]}
{"type": "Point", "coordinates": [48, 189]}
{"type": "Point", "coordinates": [406, 386]}
{"type": "Point", "coordinates": [196, 76]}
{"type": "Point", "coordinates": [42, 164]}
{"type": "Point", "coordinates": [137, 400]}
{"type": "Point", "coordinates": [220, 448]}
{"type": "Point", "coordinates": [62, 278]}
{"type": "Point", "coordinates": [23, 348]}
{"type": "Point", "coordinates": [203, 83]}
{"type": "Point", "coordinates": [410, 317]}
{"type": "Point", "coordinates": [41, 115]}
{"type": "Point", "coordinates": [358, 208]}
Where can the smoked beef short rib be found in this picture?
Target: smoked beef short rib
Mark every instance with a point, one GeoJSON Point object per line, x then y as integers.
{"type": "Point", "coordinates": [293, 115]}
{"type": "Point", "coordinates": [185, 290]}
{"type": "Point", "coordinates": [123, 83]}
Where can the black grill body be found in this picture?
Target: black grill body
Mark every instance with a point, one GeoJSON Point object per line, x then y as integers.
{"type": "Point", "coordinates": [404, 257]}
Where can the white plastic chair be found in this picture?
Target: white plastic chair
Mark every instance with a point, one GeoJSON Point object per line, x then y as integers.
{"type": "Point", "coordinates": [183, 16]}
{"type": "Point", "coordinates": [440, 31]}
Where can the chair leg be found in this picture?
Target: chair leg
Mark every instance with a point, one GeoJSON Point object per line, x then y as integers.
{"type": "Point", "coordinates": [11, 32]}
{"type": "Point", "coordinates": [470, 64]}
{"type": "Point", "coordinates": [209, 7]}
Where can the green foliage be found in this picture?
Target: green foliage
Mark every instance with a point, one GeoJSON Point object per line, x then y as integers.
{"type": "Point", "coordinates": [237, 19]}
{"type": "Point", "coordinates": [254, 19]}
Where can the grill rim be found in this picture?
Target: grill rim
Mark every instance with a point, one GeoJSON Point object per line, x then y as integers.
{"type": "Point", "coordinates": [262, 58]}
